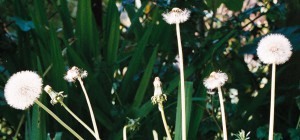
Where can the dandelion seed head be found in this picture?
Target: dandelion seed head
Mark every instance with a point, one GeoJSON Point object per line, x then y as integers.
{"type": "Point", "coordinates": [215, 80]}
{"type": "Point", "coordinates": [176, 15]}
{"type": "Point", "coordinates": [274, 48]}
{"type": "Point", "coordinates": [75, 73]}
{"type": "Point", "coordinates": [22, 89]}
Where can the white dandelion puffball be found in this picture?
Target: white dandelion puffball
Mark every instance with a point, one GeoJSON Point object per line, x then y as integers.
{"type": "Point", "coordinates": [74, 73]}
{"type": "Point", "coordinates": [22, 89]}
{"type": "Point", "coordinates": [176, 16]}
{"type": "Point", "coordinates": [274, 48]}
{"type": "Point", "coordinates": [215, 79]}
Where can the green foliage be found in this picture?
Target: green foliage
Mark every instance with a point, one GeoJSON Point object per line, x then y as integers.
{"type": "Point", "coordinates": [122, 61]}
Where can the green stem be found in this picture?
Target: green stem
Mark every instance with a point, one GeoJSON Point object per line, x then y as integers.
{"type": "Point", "coordinates": [161, 109]}
{"type": "Point", "coordinates": [77, 118]}
{"type": "Point", "coordinates": [272, 108]}
{"type": "Point", "coordinates": [222, 113]}
{"type": "Point", "coordinates": [182, 86]}
{"type": "Point", "coordinates": [90, 109]}
{"type": "Point", "coordinates": [58, 119]}
{"type": "Point", "coordinates": [19, 126]}
{"type": "Point", "coordinates": [124, 132]}
{"type": "Point", "coordinates": [298, 124]}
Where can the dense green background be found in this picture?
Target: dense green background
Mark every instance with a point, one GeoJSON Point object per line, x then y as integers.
{"type": "Point", "coordinates": [51, 36]}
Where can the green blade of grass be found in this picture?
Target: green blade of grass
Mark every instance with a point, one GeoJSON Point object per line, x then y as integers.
{"type": "Point", "coordinates": [145, 80]}
{"type": "Point", "coordinates": [134, 64]}
{"type": "Point", "coordinates": [188, 97]}
{"type": "Point", "coordinates": [87, 36]}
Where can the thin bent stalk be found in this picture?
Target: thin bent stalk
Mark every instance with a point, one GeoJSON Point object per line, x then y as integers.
{"type": "Point", "coordinates": [223, 113]}
{"type": "Point", "coordinates": [272, 108]}
{"type": "Point", "coordinates": [19, 127]}
{"type": "Point", "coordinates": [58, 120]}
{"type": "Point", "coordinates": [161, 109]}
{"type": "Point", "coordinates": [124, 132]}
{"type": "Point", "coordinates": [90, 109]}
{"type": "Point", "coordinates": [182, 86]}
{"type": "Point", "coordinates": [78, 119]}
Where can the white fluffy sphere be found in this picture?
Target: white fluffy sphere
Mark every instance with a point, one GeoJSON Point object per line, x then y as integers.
{"type": "Point", "coordinates": [22, 89]}
{"type": "Point", "coordinates": [274, 48]}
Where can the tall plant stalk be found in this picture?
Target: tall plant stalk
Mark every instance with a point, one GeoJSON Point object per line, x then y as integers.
{"type": "Point", "coordinates": [222, 113]}
{"type": "Point", "coordinates": [182, 86]}
{"type": "Point", "coordinates": [77, 118]}
{"type": "Point", "coordinates": [161, 109]}
{"type": "Point", "coordinates": [90, 109]}
{"type": "Point", "coordinates": [58, 119]}
{"type": "Point", "coordinates": [272, 108]}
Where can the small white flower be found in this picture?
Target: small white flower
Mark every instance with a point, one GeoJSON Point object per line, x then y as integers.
{"type": "Point", "coordinates": [75, 73]}
{"type": "Point", "coordinates": [241, 135]}
{"type": "Point", "coordinates": [234, 100]}
{"type": "Point", "coordinates": [274, 48]}
{"type": "Point", "coordinates": [176, 16]}
{"type": "Point", "coordinates": [215, 80]}
{"type": "Point", "coordinates": [22, 89]}
{"type": "Point", "coordinates": [233, 92]}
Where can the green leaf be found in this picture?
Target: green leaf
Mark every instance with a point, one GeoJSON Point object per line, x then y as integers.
{"type": "Point", "coordinates": [262, 132]}
{"type": "Point", "coordinates": [145, 80]}
{"type": "Point", "coordinates": [113, 35]}
{"type": "Point", "coordinates": [278, 136]}
{"type": "Point", "coordinates": [86, 31]}
{"type": "Point", "coordinates": [57, 136]}
{"type": "Point", "coordinates": [234, 5]}
{"type": "Point", "coordinates": [188, 100]}
{"type": "Point", "coordinates": [134, 64]}
{"type": "Point", "coordinates": [38, 129]}
{"type": "Point", "coordinates": [294, 133]}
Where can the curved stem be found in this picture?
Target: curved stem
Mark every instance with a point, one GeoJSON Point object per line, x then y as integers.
{"type": "Point", "coordinates": [161, 109]}
{"type": "Point", "coordinates": [272, 108]}
{"type": "Point", "coordinates": [77, 118]}
{"type": "Point", "coordinates": [182, 86]}
{"type": "Point", "coordinates": [124, 132]}
{"type": "Point", "coordinates": [90, 108]}
{"type": "Point", "coordinates": [223, 113]}
{"type": "Point", "coordinates": [58, 119]}
{"type": "Point", "coordinates": [19, 126]}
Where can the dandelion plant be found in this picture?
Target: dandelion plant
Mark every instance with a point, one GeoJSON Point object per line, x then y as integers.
{"type": "Point", "coordinates": [159, 98]}
{"type": "Point", "coordinates": [74, 74]}
{"type": "Point", "coordinates": [177, 16]}
{"type": "Point", "coordinates": [216, 80]}
{"type": "Point", "coordinates": [23, 89]}
{"type": "Point", "coordinates": [274, 49]}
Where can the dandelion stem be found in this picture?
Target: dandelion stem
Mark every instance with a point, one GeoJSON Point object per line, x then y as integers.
{"type": "Point", "coordinates": [155, 135]}
{"type": "Point", "coordinates": [272, 108]}
{"type": "Point", "coordinates": [161, 109]}
{"type": "Point", "coordinates": [223, 113]}
{"type": "Point", "coordinates": [90, 108]}
{"type": "Point", "coordinates": [77, 118]}
{"type": "Point", "coordinates": [124, 132]}
{"type": "Point", "coordinates": [19, 126]}
{"type": "Point", "coordinates": [58, 119]}
{"type": "Point", "coordinates": [182, 86]}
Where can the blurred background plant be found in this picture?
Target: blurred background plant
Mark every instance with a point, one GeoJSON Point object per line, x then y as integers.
{"type": "Point", "coordinates": [125, 44]}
